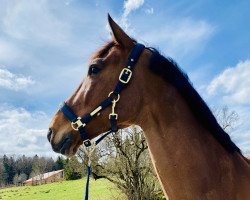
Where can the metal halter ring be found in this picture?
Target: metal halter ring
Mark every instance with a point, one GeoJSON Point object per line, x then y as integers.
{"type": "Point", "coordinates": [118, 96]}
{"type": "Point", "coordinates": [89, 150]}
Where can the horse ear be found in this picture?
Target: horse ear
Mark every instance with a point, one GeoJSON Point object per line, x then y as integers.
{"type": "Point", "coordinates": [119, 36]}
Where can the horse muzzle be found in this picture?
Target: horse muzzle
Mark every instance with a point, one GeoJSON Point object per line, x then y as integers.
{"type": "Point", "coordinates": [63, 146]}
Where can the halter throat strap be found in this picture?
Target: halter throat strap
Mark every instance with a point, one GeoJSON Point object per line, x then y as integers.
{"type": "Point", "coordinates": [79, 123]}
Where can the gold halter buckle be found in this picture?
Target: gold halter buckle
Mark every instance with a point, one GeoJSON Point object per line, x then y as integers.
{"type": "Point", "coordinates": [77, 124]}
{"type": "Point", "coordinates": [127, 72]}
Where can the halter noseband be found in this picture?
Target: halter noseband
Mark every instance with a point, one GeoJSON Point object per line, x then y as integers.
{"type": "Point", "coordinates": [79, 123]}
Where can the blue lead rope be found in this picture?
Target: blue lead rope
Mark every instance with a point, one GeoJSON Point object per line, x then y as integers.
{"type": "Point", "coordinates": [89, 163]}
{"type": "Point", "coordinates": [87, 183]}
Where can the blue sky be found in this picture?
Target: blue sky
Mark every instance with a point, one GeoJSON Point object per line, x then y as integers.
{"type": "Point", "coordinates": [45, 46]}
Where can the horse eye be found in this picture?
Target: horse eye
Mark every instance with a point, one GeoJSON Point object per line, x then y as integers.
{"type": "Point", "coordinates": [94, 70]}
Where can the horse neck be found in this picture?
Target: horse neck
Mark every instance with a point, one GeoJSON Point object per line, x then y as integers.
{"type": "Point", "coordinates": [188, 160]}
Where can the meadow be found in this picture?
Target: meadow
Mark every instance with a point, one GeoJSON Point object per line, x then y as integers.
{"type": "Point", "coordinates": [67, 190]}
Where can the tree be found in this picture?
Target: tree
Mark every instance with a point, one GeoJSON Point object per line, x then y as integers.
{"type": "Point", "coordinates": [2, 182]}
{"type": "Point", "coordinates": [35, 166]}
{"type": "Point", "coordinates": [226, 118]}
{"type": "Point", "coordinates": [96, 157]}
{"type": "Point", "coordinates": [9, 169]}
{"type": "Point", "coordinates": [19, 179]}
{"type": "Point", "coordinates": [23, 164]}
{"type": "Point", "coordinates": [73, 169]}
{"type": "Point", "coordinates": [40, 166]}
{"type": "Point", "coordinates": [126, 162]}
{"type": "Point", "coordinates": [60, 163]}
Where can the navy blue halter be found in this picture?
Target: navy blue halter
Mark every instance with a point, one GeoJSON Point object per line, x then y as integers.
{"type": "Point", "coordinates": [79, 123]}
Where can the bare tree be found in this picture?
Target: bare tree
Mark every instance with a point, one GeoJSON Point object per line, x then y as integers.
{"type": "Point", "coordinates": [40, 166]}
{"type": "Point", "coordinates": [227, 118]}
{"type": "Point", "coordinates": [130, 165]}
{"type": "Point", "coordinates": [19, 179]}
{"type": "Point", "coordinates": [123, 159]}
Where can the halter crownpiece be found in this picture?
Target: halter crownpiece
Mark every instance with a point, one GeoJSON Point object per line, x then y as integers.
{"type": "Point", "coordinates": [79, 123]}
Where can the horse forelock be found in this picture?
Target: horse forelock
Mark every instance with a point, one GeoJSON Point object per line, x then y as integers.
{"type": "Point", "coordinates": [103, 50]}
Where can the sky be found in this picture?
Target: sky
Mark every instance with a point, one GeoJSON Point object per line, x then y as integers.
{"type": "Point", "coordinates": [45, 46]}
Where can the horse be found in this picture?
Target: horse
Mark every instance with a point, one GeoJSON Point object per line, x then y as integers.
{"type": "Point", "coordinates": [193, 157]}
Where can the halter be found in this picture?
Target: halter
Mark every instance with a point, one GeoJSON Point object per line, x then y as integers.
{"type": "Point", "coordinates": [79, 123]}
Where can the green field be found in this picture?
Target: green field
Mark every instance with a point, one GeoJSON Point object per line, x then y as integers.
{"type": "Point", "coordinates": [67, 190]}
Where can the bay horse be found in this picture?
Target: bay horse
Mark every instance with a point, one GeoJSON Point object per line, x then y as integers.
{"type": "Point", "coordinates": [193, 157]}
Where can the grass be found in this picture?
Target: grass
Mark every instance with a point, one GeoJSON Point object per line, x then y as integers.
{"type": "Point", "coordinates": [100, 189]}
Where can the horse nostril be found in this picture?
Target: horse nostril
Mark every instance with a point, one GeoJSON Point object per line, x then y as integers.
{"type": "Point", "coordinates": [49, 134]}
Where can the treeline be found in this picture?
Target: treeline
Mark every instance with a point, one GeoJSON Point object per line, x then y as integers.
{"type": "Point", "coordinates": [17, 169]}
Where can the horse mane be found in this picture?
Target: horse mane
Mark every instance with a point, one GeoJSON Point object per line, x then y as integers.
{"type": "Point", "coordinates": [169, 70]}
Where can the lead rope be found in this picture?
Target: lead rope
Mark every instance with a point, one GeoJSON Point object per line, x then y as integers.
{"type": "Point", "coordinates": [90, 149]}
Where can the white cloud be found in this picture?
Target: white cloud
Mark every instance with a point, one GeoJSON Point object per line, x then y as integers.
{"type": "Point", "coordinates": [12, 81]}
{"type": "Point", "coordinates": [233, 83]}
{"type": "Point", "coordinates": [149, 11]}
{"type": "Point", "coordinates": [23, 132]}
{"type": "Point", "coordinates": [131, 5]}
{"type": "Point", "coordinates": [231, 87]}
{"type": "Point", "coordinates": [180, 36]}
